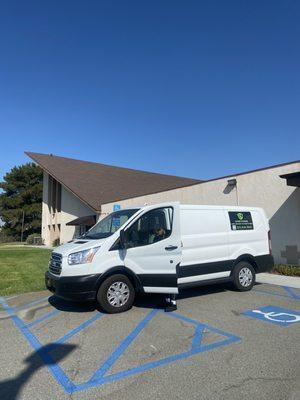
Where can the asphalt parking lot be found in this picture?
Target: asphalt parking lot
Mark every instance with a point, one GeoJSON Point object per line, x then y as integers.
{"type": "Point", "coordinates": [219, 344]}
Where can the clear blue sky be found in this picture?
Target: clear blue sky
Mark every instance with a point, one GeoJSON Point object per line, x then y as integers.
{"type": "Point", "coordinates": [192, 88]}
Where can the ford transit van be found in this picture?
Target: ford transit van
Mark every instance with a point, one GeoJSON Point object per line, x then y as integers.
{"type": "Point", "coordinates": [161, 248]}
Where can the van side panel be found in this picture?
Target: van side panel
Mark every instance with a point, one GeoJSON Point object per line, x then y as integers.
{"type": "Point", "coordinates": [205, 254]}
{"type": "Point", "coordinates": [212, 246]}
{"type": "Point", "coordinates": [253, 241]}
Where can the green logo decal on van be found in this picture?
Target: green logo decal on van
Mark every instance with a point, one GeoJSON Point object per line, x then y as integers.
{"type": "Point", "coordinates": [240, 220]}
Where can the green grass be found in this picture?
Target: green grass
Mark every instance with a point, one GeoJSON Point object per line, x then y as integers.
{"type": "Point", "coordinates": [22, 269]}
{"type": "Point", "coordinates": [289, 270]}
{"type": "Point", "coordinates": [11, 244]}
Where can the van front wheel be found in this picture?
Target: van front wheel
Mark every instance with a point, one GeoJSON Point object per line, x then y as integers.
{"type": "Point", "coordinates": [243, 276]}
{"type": "Point", "coordinates": [116, 294]}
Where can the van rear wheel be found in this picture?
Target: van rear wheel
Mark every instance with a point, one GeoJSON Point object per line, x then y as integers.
{"type": "Point", "coordinates": [243, 276]}
{"type": "Point", "coordinates": [116, 294]}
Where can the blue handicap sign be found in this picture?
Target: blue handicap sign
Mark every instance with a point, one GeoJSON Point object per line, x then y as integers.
{"type": "Point", "coordinates": [275, 315]}
{"type": "Point", "coordinates": [117, 207]}
{"type": "Point", "coordinates": [116, 223]}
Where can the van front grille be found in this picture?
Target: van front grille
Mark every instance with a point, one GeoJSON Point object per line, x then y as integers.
{"type": "Point", "coordinates": [55, 263]}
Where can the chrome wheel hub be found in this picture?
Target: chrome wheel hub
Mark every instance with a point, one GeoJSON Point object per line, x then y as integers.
{"type": "Point", "coordinates": [245, 277]}
{"type": "Point", "coordinates": [118, 294]}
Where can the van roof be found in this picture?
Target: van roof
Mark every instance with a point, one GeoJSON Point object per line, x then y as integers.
{"type": "Point", "coordinates": [218, 207]}
{"type": "Point", "coordinates": [199, 206]}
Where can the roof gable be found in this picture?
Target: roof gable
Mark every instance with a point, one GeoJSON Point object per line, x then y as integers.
{"type": "Point", "coordinates": [97, 184]}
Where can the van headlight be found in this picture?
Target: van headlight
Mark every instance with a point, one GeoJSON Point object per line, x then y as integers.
{"type": "Point", "coordinates": [82, 257]}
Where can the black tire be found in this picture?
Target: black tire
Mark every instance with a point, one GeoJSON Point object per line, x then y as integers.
{"type": "Point", "coordinates": [239, 283]}
{"type": "Point", "coordinates": [108, 287]}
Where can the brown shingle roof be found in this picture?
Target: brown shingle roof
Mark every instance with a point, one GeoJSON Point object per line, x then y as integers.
{"type": "Point", "coordinates": [97, 184]}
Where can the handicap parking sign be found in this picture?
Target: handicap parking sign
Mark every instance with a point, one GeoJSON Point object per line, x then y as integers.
{"type": "Point", "coordinates": [275, 315]}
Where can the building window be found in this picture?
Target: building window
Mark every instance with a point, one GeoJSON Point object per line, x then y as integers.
{"type": "Point", "coordinates": [54, 195]}
{"type": "Point", "coordinates": [58, 201]}
{"type": "Point", "coordinates": [80, 230]}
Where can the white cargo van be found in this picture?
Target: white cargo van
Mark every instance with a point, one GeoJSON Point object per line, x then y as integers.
{"type": "Point", "coordinates": [161, 249]}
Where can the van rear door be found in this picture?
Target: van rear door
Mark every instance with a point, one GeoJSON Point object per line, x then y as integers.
{"type": "Point", "coordinates": [248, 232]}
{"type": "Point", "coordinates": [153, 248]}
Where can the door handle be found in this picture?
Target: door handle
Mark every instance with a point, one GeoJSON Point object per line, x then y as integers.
{"type": "Point", "coordinates": [169, 248]}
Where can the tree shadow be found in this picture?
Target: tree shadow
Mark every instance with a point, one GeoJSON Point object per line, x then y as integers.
{"type": "Point", "coordinates": [10, 388]}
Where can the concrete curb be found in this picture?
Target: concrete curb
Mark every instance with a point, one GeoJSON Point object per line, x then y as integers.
{"type": "Point", "coordinates": [281, 280]}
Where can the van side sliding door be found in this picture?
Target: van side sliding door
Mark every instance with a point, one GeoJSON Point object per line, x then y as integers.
{"type": "Point", "coordinates": [205, 254]}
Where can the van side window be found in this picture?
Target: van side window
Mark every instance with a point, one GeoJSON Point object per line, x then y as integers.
{"type": "Point", "coordinates": [150, 228]}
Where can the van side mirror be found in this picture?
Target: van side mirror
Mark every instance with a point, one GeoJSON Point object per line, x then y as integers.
{"type": "Point", "coordinates": [122, 239]}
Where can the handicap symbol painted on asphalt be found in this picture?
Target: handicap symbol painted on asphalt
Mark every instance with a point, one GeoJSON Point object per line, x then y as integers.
{"type": "Point", "coordinates": [279, 316]}
{"type": "Point", "coordinates": [275, 315]}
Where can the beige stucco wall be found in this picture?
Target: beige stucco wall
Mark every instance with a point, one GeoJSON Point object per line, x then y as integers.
{"type": "Point", "coordinates": [45, 212]}
{"type": "Point", "coordinates": [261, 188]}
{"type": "Point", "coordinates": [71, 208]}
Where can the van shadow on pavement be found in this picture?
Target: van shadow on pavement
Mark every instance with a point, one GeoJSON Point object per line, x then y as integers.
{"type": "Point", "coordinates": [144, 300]}
{"type": "Point", "coordinates": [72, 306]}
{"type": "Point", "coordinates": [158, 300]}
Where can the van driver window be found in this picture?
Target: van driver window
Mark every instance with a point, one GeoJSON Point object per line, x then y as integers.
{"type": "Point", "coordinates": [152, 227]}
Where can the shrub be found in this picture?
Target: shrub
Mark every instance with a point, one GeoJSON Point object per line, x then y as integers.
{"type": "Point", "coordinates": [289, 270]}
{"type": "Point", "coordinates": [55, 243]}
{"type": "Point", "coordinates": [4, 238]}
{"type": "Point", "coordinates": [34, 238]}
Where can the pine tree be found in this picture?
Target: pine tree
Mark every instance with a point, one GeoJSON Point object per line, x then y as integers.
{"type": "Point", "coordinates": [22, 193]}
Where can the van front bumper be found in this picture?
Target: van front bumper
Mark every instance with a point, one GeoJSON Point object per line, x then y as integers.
{"type": "Point", "coordinates": [78, 288]}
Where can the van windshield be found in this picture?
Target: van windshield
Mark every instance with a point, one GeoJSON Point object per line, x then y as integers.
{"type": "Point", "coordinates": [110, 224]}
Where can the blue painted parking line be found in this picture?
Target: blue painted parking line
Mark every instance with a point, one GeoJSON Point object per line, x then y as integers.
{"type": "Point", "coordinates": [32, 303]}
{"type": "Point", "coordinates": [198, 336]}
{"type": "Point", "coordinates": [287, 296]}
{"type": "Point", "coordinates": [100, 376]}
{"type": "Point", "coordinates": [74, 331]}
{"type": "Point", "coordinates": [43, 318]}
{"type": "Point", "coordinates": [208, 327]}
{"type": "Point", "coordinates": [123, 346]}
{"type": "Point", "coordinates": [271, 293]}
{"type": "Point", "coordinates": [291, 292]}
{"type": "Point", "coordinates": [54, 368]}
{"type": "Point", "coordinates": [151, 365]}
